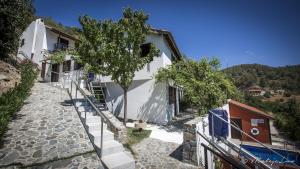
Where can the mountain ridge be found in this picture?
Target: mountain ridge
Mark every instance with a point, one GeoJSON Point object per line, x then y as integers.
{"type": "Point", "coordinates": [281, 77]}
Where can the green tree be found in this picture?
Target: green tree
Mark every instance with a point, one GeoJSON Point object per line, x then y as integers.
{"type": "Point", "coordinates": [203, 83]}
{"type": "Point", "coordinates": [15, 16]}
{"type": "Point", "coordinates": [288, 119]}
{"type": "Point", "coordinates": [114, 48]}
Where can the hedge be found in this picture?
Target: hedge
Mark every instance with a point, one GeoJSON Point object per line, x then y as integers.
{"type": "Point", "coordinates": [13, 100]}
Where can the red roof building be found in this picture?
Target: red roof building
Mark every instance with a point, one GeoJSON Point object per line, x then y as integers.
{"type": "Point", "coordinates": [250, 120]}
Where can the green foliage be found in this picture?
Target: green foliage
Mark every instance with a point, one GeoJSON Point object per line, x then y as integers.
{"type": "Point", "coordinates": [245, 75]}
{"type": "Point", "coordinates": [288, 120]}
{"type": "Point", "coordinates": [15, 16]}
{"type": "Point", "coordinates": [113, 48]}
{"type": "Point", "coordinates": [73, 31]}
{"type": "Point", "coordinates": [12, 101]}
{"type": "Point", "coordinates": [58, 56]}
{"type": "Point", "coordinates": [267, 95]}
{"type": "Point", "coordinates": [204, 85]}
{"type": "Point", "coordinates": [135, 136]}
{"type": "Point", "coordinates": [287, 114]}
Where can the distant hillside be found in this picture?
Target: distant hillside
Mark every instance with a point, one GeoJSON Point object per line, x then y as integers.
{"type": "Point", "coordinates": [245, 75]}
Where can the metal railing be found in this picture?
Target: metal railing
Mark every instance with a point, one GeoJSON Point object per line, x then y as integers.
{"type": "Point", "coordinates": [60, 46]}
{"type": "Point", "coordinates": [239, 149]}
{"type": "Point", "coordinates": [98, 112]}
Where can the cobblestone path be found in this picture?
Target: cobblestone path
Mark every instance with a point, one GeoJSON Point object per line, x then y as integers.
{"type": "Point", "coordinates": [47, 133]}
{"type": "Point", "coordinates": [155, 154]}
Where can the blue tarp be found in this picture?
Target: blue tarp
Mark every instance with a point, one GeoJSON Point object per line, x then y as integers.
{"type": "Point", "coordinates": [91, 77]}
{"type": "Point", "coordinates": [220, 127]}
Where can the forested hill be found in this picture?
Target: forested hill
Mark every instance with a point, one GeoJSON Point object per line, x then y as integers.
{"type": "Point", "coordinates": [245, 75]}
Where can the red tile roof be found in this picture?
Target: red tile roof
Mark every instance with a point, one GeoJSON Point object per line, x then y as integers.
{"type": "Point", "coordinates": [250, 108]}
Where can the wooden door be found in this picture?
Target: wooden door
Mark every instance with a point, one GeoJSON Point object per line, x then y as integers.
{"type": "Point", "coordinates": [55, 73]}
{"type": "Point", "coordinates": [43, 70]}
{"type": "Point", "coordinates": [172, 98]}
{"type": "Point", "coordinates": [234, 132]}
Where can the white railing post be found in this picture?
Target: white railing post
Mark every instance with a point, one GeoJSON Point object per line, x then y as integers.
{"type": "Point", "coordinates": [101, 152]}
{"type": "Point", "coordinates": [71, 90]}
{"type": "Point", "coordinates": [76, 92]}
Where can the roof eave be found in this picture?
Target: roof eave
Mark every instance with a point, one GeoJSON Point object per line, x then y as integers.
{"type": "Point", "coordinates": [170, 40]}
{"type": "Point", "coordinates": [61, 33]}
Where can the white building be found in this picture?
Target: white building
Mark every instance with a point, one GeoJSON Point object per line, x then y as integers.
{"type": "Point", "coordinates": [38, 40]}
{"type": "Point", "coordinates": [147, 100]}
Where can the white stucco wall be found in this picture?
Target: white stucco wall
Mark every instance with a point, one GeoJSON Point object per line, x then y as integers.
{"type": "Point", "coordinates": [37, 39]}
{"type": "Point", "coordinates": [146, 100]}
{"type": "Point", "coordinates": [28, 40]}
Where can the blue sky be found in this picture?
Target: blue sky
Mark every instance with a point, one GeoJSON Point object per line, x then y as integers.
{"type": "Point", "coordinates": [236, 31]}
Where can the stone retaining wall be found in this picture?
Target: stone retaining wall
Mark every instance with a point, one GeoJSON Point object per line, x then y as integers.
{"type": "Point", "coordinates": [113, 124]}
{"type": "Point", "coordinates": [116, 126]}
{"type": "Point", "coordinates": [190, 141]}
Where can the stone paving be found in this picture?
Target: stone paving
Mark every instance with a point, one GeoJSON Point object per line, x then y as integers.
{"type": "Point", "coordinates": [47, 128]}
{"type": "Point", "coordinates": [153, 153]}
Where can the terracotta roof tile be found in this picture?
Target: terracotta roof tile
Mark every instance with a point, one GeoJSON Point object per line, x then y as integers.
{"type": "Point", "coordinates": [250, 108]}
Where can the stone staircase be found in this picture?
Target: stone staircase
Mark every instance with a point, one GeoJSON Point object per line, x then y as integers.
{"type": "Point", "coordinates": [114, 156]}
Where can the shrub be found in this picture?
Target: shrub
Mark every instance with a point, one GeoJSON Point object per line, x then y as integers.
{"type": "Point", "coordinates": [13, 100]}
{"type": "Point", "coordinates": [15, 16]}
{"type": "Point", "coordinates": [287, 94]}
{"type": "Point", "coordinates": [267, 95]}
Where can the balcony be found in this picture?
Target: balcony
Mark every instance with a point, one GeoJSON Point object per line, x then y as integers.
{"type": "Point", "coordinates": [60, 46]}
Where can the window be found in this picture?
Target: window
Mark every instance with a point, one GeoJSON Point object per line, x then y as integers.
{"type": "Point", "coordinates": [61, 43]}
{"type": "Point", "coordinates": [77, 65]}
{"type": "Point", "coordinates": [145, 49]}
{"type": "Point", "coordinates": [22, 42]}
{"type": "Point", "coordinates": [67, 66]}
{"type": "Point", "coordinates": [172, 95]}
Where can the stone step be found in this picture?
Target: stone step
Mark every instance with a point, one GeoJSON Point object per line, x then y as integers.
{"type": "Point", "coordinates": [118, 161]}
{"type": "Point", "coordinates": [109, 147]}
{"type": "Point", "coordinates": [85, 108]}
{"type": "Point", "coordinates": [96, 126]}
{"type": "Point", "coordinates": [82, 103]}
{"type": "Point", "coordinates": [88, 114]}
{"type": "Point", "coordinates": [96, 136]}
{"type": "Point", "coordinates": [92, 119]}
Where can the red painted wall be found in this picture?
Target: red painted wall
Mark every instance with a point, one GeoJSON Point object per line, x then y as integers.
{"type": "Point", "coordinates": [246, 116]}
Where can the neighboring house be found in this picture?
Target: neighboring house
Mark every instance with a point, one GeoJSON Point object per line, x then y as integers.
{"type": "Point", "coordinates": [148, 101]}
{"type": "Point", "coordinates": [38, 40]}
{"type": "Point", "coordinates": [250, 120]}
{"type": "Point", "coordinates": [255, 91]}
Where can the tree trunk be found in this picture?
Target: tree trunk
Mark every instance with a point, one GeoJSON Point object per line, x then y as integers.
{"type": "Point", "coordinates": [125, 107]}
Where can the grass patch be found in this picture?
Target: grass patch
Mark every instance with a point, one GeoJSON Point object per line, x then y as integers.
{"type": "Point", "coordinates": [135, 136]}
{"type": "Point", "coordinates": [13, 100]}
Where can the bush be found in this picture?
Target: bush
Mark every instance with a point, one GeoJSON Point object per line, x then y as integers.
{"type": "Point", "coordinates": [13, 100]}
{"type": "Point", "coordinates": [15, 16]}
{"type": "Point", "coordinates": [287, 94]}
{"type": "Point", "coordinates": [267, 95]}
